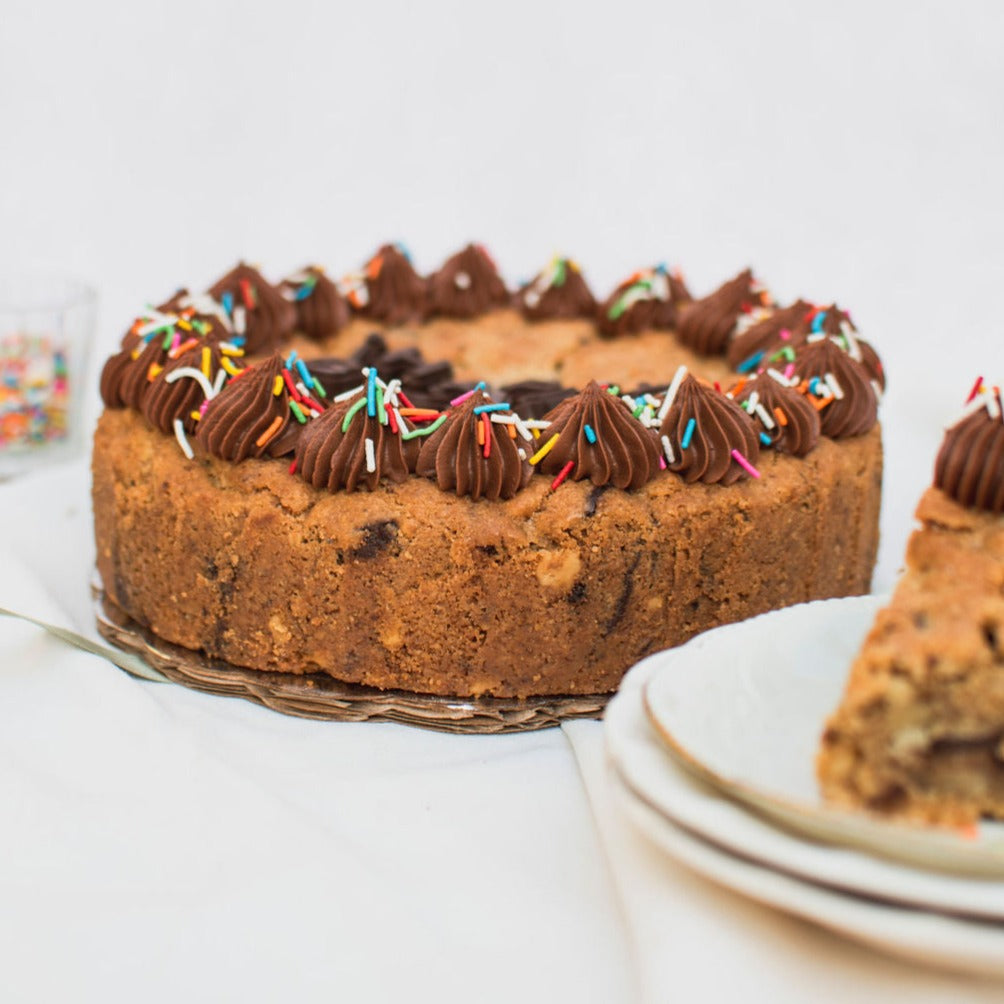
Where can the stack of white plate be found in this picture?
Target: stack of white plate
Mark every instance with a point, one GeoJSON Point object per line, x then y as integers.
{"type": "Point", "coordinates": [712, 749]}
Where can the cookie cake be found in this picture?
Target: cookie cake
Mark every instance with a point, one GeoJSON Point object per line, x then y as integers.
{"type": "Point", "coordinates": [441, 485]}
{"type": "Point", "coordinates": [919, 733]}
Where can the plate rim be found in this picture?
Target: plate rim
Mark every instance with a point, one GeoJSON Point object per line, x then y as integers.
{"type": "Point", "coordinates": [633, 748]}
{"type": "Point", "coordinates": [931, 848]}
{"type": "Point", "coordinates": [791, 895]}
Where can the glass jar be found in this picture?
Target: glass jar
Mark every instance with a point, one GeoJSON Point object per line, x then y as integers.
{"type": "Point", "coordinates": [46, 331]}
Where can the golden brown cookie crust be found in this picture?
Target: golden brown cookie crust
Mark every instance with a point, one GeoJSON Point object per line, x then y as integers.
{"type": "Point", "coordinates": [410, 587]}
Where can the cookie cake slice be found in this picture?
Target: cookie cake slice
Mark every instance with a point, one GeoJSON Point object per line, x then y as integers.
{"type": "Point", "coordinates": [919, 733]}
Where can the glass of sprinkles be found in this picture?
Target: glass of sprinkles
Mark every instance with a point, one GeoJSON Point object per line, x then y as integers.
{"type": "Point", "coordinates": [46, 329]}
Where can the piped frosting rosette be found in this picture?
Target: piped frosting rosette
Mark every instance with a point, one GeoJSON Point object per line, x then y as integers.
{"type": "Point", "coordinates": [837, 323]}
{"type": "Point", "coordinates": [707, 325]}
{"type": "Point", "coordinates": [320, 308]}
{"type": "Point", "coordinates": [259, 315]}
{"type": "Point", "coordinates": [205, 315]}
{"type": "Point", "coordinates": [970, 463]}
{"type": "Point", "coordinates": [751, 346]}
{"type": "Point", "coordinates": [705, 435]}
{"type": "Point", "coordinates": [262, 411]}
{"type": "Point", "coordinates": [558, 292]}
{"type": "Point", "coordinates": [387, 289]}
{"type": "Point", "coordinates": [467, 284]}
{"type": "Point", "coordinates": [127, 375]}
{"type": "Point", "coordinates": [784, 419]}
{"type": "Point", "coordinates": [650, 298]}
{"type": "Point", "coordinates": [838, 386]}
{"type": "Point", "coordinates": [480, 449]}
{"type": "Point", "coordinates": [193, 374]}
{"type": "Point", "coordinates": [369, 435]}
{"type": "Point", "coordinates": [152, 344]}
{"type": "Point", "coordinates": [774, 340]}
{"type": "Point", "coordinates": [595, 436]}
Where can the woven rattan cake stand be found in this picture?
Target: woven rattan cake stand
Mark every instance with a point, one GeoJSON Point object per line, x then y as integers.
{"type": "Point", "coordinates": [322, 697]}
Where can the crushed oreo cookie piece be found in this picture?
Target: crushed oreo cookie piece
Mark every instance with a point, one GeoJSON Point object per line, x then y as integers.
{"type": "Point", "coordinates": [535, 398]}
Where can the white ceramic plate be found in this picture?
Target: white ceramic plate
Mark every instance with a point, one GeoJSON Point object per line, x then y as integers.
{"type": "Point", "coordinates": [931, 939]}
{"type": "Point", "coordinates": [648, 769]}
{"type": "Point", "coordinates": [743, 708]}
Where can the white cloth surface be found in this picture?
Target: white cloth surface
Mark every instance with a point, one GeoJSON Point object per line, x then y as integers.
{"type": "Point", "coordinates": [157, 839]}
{"type": "Point", "coordinates": [159, 843]}
{"type": "Point", "coordinates": [695, 939]}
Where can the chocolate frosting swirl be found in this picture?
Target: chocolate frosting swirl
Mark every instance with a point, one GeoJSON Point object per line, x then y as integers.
{"type": "Point", "coordinates": [200, 314]}
{"type": "Point", "coordinates": [329, 457]}
{"type": "Point", "coordinates": [792, 424]}
{"type": "Point", "coordinates": [320, 309]}
{"type": "Point", "coordinates": [164, 402]}
{"type": "Point", "coordinates": [707, 325]}
{"type": "Point", "coordinates": [468, 284]}
{"type": "Point", "coordinates": [818, 320]}
{"type": "Point", "coordinates": [832, 320]}
{"type": "Point", "coordinates": [852, 411]}
{"type": "Point", "coordinates": [970, 464]}
{"type": "Point", "coordinates": [720, 426]}
{"type": "Point", "coordinates": [766, 334]}
{"type": "Point", "coordinates": [559, 292]}
{"type": "Point", "coordinates": [237, 422]}
{"type": "Point", "coordinates": [648, 299]}
{"type": "Point", "coordinates": [128, 374]}
{"type": "Point", "coordinates": [624, 453]}
{"type": "Point", "coordinates": [258, 311]}
{"type": "Point", "coordinates": [871, 362]}
{"type": "Point", "coordinates": [791, 328]}
{"type": "Point", "coordinates": [388, 290]}
{"type": "Point", "coordinates": [457, 462]}
{"type": "Point", "coordinates": [823, 321]}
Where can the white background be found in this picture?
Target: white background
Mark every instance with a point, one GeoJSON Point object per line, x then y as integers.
{"type": "Point", "coordinates": [850, 151]}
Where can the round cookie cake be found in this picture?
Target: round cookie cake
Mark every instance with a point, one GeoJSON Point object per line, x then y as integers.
{"type": "Point", "coordinates": [437, 485]}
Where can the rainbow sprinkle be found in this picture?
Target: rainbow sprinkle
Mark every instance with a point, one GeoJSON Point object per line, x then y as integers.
{"type": "Point", "coordinates": [544, 450]}
{"type": "Point", "coordinates": [179, 434]}
{"type": "Point", "coordinates": [371, 402]}
{"type": "Point", "coordinates": [426, 431]}
{"type": "Point", "coordinates": [351, 413]}
{"type": "Point", "coordinates": [486, 435]}
{"type": "Point", "coordinates": [194, 374]}
{"type": "Point", "coordinates": [647, 284]}
{"type": "Point", "coordinates": [270, 432]}
{"type": "Point", "coordinates": [306, 288]}
{"type": "Point", "coordinates": [688, 434]}
{"type": "Point", "coordinates": [481, 385]}
{"type": "Point", "coordinates": [745, 464]}
{"type": "Point", "coordinates": [562, 475]}
{"type": "Point", "coordinates": [671, 392]}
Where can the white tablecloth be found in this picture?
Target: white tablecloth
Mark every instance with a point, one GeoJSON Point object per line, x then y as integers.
{"type": "Point", "coordinates": [158, 842]}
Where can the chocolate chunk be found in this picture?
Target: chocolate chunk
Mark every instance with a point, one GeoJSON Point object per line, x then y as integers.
{"type": "Point", "coordinates": [377, 537]}
{"type": "Point", "coordinates": [625, 596]}
{"type": "Point", "coordinates": [594, 497]}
